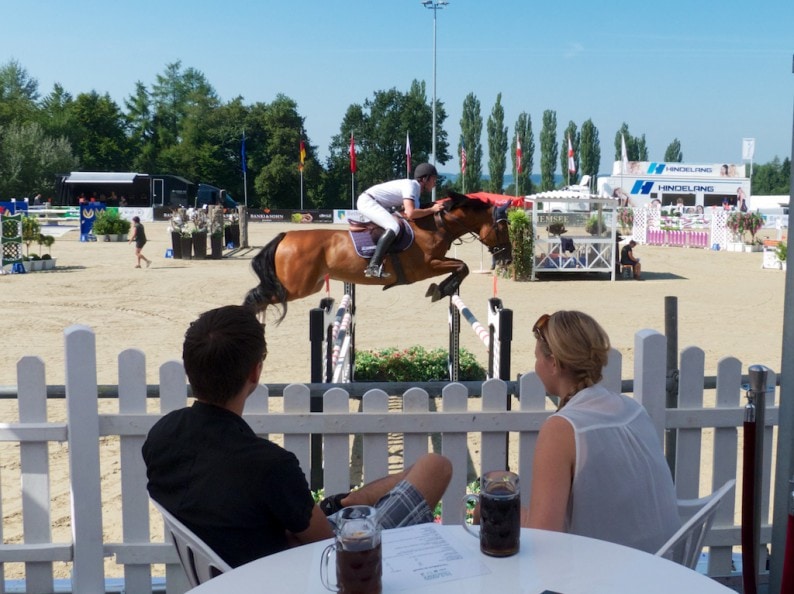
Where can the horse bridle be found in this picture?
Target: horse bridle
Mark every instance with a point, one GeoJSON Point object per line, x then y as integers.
{"type": "Point", "coordinates": [499, 214]}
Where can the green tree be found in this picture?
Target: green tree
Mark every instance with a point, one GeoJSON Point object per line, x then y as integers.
{"type": "Point", "coordinates": [773, 178]}
{"type": "Point", "coordinates": [548, 150]}
{"type": "Point", "coordinates": [523, 131]}
{"type": "Point", "coordinates": [97, 133]}
{"type": "Point", "coordinates": [380, 126]}
{"type": "Point", "coordinates": [275, 155]}
{"type": "Point", "coordinates": [589, 151]}
{"type": "Point", "coordinates": [497, 146]}
{"type": "Point", "coordinates": [570, 132]}
{"type": "Point", "coordinates": [140, 128]}
{"type": "Point", "coordinates": [636, 148]}
{"type": "Point", "coordinates": [55, 112]}
{"type": "Point", "coordinates": [18, 94]}
{"type": "Point", "coordinates": [29, 160]}
{"type": "Point", "coordinates": [673, 153]}
{"type": "Point", "coordinates": [471, 132]}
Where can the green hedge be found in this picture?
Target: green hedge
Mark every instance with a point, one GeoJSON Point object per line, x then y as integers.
{"type": "Point", "coordinates": [414, 364]}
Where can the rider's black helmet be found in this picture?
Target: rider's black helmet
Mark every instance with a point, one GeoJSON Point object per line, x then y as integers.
{"type": "Point", "coordinates": [425, 170]}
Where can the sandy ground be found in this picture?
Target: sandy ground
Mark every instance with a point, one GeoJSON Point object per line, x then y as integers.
{"type": "Point", "coordinates": [727, 305]}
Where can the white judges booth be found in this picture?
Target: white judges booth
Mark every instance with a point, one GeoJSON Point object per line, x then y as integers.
{"type": "Point", "coordinates": [589, 243]}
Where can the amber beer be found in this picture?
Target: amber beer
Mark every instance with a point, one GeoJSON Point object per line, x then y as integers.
{"type": "Point", "coordinates": [500, 521]}
{"type": "Point", "coordinates": [359, 571]}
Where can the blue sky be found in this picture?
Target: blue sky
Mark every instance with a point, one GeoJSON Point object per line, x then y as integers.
{"type": "Point", "coordinates": [708, 73]}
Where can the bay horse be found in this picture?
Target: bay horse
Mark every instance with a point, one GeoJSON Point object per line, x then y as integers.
{"type": "Point", "coordinates": [294, 264]}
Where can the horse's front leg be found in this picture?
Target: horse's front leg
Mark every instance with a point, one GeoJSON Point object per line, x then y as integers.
{"type": "Point", "coordinates": [450, 284]}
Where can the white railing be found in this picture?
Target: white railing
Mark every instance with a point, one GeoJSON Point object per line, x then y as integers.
{"type": "Point", "coordinates": [92, 435]}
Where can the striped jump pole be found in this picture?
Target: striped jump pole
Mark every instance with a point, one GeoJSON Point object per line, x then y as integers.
{"type": "Point", "coordinates": [332, 356]}
{"type": "Point", "coordinates": [496, 337]}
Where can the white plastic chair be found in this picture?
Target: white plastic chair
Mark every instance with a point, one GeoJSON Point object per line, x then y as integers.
{"type": "Point", "coordinates": [685, 545]}
{"type": "Point", "coordinates": [198, 560]}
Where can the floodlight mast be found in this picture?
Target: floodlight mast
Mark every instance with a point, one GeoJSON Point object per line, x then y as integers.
{"type": "Point", "coordinates": [435, 6]}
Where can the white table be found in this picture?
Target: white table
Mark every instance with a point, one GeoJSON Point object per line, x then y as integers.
{"type": "Point", "coordinates": [547, 561]}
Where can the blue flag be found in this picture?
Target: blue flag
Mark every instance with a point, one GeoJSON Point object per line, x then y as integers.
{"type": "Point", "coordinates": [242, 154]}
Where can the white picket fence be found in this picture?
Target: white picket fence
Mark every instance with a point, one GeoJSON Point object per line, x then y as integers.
{"type": "Point", "coordinates": [88, 434]}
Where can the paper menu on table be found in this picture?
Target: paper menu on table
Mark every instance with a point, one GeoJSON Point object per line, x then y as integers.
{"type": "Point", "coordinates": [421, 556]}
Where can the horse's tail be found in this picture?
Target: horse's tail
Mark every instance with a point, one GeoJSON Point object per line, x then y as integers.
{"type": "Point", "coordinates": [269, 290]}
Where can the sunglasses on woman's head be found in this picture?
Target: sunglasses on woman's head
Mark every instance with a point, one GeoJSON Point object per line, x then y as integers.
{"type": "Point", "coordinates": [537, 329]}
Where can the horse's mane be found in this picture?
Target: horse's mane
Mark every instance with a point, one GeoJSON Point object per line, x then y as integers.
{"type": "Point", "coordinates": [463, 201]}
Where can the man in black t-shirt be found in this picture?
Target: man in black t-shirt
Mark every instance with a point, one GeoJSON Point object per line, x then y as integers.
{"type": "Point", "coordinates": [245, 496]}
{"type": "Point", "coordinates": [627, 259]}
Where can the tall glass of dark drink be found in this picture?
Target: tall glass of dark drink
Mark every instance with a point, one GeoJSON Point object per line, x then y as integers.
{"type": "Point", "coordinates": [500, 514]}
{"type": "Point", "coordinates": [357, 546]}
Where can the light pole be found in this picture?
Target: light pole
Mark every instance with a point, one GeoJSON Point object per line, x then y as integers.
{"type": "Point", "coordinates": [435, 6]}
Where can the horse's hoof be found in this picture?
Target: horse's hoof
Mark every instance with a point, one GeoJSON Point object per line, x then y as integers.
{"type": "Point", "coordinates": [432, 290]}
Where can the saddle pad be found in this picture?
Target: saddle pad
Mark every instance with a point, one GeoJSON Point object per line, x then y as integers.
{"type": "Point", "coordinates": [365, 243]}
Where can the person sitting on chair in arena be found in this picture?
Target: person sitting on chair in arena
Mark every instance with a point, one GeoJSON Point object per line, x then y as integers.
{"type": "Point", "coordinates": [627, 259]}
{"type": "Point", "coordinates": [243, 495]}
{"type": "Point", "coordinates": [396, 194]}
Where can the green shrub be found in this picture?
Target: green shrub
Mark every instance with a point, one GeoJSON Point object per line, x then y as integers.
{"type": "Point", "coordinates": [781, 251]}
{"type": "Point", "coordinates": [108, 222]}
{"type": "Point", "coordinates": [31, 229]}
{"type": "Point", "coordinates": [595, 225]}
{"type": "Point", "coordinates": [414, 364]}
{"type": "Point", "coordinates": [522, 244]}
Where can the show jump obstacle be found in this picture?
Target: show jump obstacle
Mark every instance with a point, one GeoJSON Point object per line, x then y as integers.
{"type": "Point", "coordinates": [497, 337]}
{"type": "Point", "coordinates": [332, 335]}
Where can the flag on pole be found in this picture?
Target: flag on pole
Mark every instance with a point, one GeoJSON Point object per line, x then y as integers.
{"type": "Point", "coordinates": [352, 154]}
{"type": "Point", "coordinates": [462, 157]}
{"type": "Point", "coordinates": [302, 155]}
{"type": "Point", "coordinates": [571, 164]}
{"type": "Point", "coordinates": [242, 154]}
{"type": "Point", "coordinates": [518, 154]}
{"type": "Point", "coordinates": [624, 156]}
{"type": "Point", "coordinates": [407, 155]}
{"type": "Point", "coordinates": [748, 149]}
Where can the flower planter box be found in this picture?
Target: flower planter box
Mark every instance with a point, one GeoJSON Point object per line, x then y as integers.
{"type": "Point", "coordinates": [115, 237]}
{"type": "Point", "coordinates": [36, 265]}
{"type": "Point", "coordinates": [187, 247]}
{"type": "Point", "coordinates": [199, 246]}
{"type": "Point", "coordinates": [216, 245]}
{"type": "Point", "coordinates": [176, 244]}
{"type": "Point", "coordinates": [48, 264]}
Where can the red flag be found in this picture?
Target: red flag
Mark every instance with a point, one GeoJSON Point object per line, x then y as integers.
{"type": "Point", "coordinates": [352, 154]}
{"type": "Point", "coordinates": [518, 154]}
{"type": "Point", "coordinates": [302, 156]}
{"type": "Point", "coordinates": [462, 157]}
{"type": "Point", "coordinates": [571, 164]}
{"type": "Point", "coordinates": [408, 154]}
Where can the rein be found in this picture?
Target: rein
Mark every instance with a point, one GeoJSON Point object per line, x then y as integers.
{"type": "Point", "coordinates": [449, 236]}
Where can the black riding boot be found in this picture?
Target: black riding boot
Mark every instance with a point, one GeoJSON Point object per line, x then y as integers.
{"type": "Point", "coordinates": [376, 262]}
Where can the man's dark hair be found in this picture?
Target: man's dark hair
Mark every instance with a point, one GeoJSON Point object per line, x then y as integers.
{"type": "Point", "coordinates": [220, 349]}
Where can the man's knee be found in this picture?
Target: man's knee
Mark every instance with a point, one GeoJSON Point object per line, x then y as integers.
{"type": "Point", "coordinates": [436, 466]}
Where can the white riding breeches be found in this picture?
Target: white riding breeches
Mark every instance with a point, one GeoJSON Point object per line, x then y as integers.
{"type": "Point", "coordinates": [367, 206]}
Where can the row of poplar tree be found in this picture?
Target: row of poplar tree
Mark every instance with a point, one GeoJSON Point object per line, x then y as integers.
{"type": "Point", "coordinates": [178, 125]}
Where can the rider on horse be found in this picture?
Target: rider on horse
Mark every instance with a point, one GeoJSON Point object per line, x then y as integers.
{"type": "Point", "coordinates": [397, 194]}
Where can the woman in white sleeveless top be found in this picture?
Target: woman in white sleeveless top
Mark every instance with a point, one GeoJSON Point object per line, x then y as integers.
{"type": "Point", "coordinates": [599, 469]}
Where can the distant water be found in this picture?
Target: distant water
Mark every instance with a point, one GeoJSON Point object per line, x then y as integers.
{"type": "Point", "coordinates": [535, 177]}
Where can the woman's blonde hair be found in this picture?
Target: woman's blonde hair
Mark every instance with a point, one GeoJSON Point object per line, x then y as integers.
{"type": "Point", "coordinates": [580, 346]}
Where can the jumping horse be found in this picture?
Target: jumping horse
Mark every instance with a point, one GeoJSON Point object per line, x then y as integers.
{"type": "Point", "coordinates": [294, 264]}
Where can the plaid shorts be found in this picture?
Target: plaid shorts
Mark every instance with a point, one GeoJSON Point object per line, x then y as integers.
{"type": "Point", "coordinates": [402, 506]}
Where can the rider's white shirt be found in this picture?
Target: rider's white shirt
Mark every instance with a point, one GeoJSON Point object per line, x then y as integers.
{"type": "Point", "coordinates": [392, 193]}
